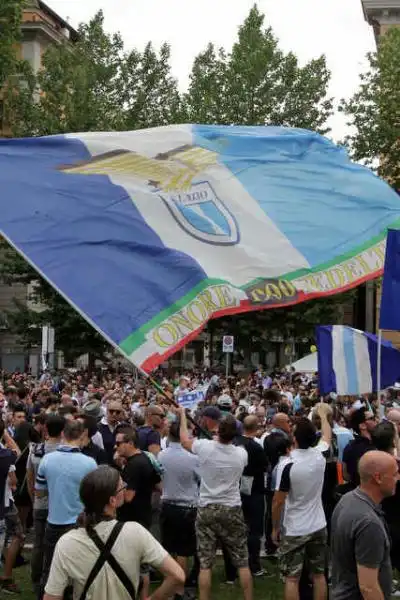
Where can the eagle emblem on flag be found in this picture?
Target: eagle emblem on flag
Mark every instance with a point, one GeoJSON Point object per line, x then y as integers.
{"type": "Point", "coordinates": [194, 205]}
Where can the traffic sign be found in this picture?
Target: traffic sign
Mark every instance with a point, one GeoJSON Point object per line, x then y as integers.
{"type": "Point", "coordinates": [228, 343]}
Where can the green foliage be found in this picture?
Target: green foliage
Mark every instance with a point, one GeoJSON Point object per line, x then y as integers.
{"type": "Point", "coordinates": [374, 111]}
{"type": "Point", "coordinates": [151, 97]}
{"type": "Point", "coordinates": [254, 330]}
{"type": "Point", "coordinates": [10, 27]}
{"type": "Point", "coordinates": [94, 85]}
{"type": "Point", "coordinates": [258, 84]}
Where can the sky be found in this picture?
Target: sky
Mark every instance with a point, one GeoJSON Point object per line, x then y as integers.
{"type": "Point", "coordinates": [309, 28]}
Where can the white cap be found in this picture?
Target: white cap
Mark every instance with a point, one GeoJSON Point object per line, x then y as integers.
{"type": "Point", "coordinates": [224, 400]}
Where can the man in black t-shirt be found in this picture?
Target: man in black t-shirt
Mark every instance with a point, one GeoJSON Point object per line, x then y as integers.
{"type": "Point", "coordinates": [149, 437]}
{"type": "Point", "coordinates": [7, 459]}
{"type": "Point", "coordinates": [252, 491]}
{"type": "Point", "coordinates": [362, 422]}
{"type": "Point", "coordinates": [89, 448]}
{"type": "Point", "coordinates": [140, 477]}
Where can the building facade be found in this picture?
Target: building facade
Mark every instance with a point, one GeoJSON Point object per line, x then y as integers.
{"type": "Point", "coordinates": [382, 15]}
{"type": "Point", "coordinates": [40, 27]}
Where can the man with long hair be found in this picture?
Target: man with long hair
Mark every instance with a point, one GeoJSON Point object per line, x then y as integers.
{"type": "Point", "coordinates": [114, 572]}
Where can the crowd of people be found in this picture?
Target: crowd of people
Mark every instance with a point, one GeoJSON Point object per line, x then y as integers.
{"type": "Point", "coordinates": [117, 484]}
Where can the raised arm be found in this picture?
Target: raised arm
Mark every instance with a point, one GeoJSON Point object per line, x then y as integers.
{"type": "Point", "coordinates": [186, 442]}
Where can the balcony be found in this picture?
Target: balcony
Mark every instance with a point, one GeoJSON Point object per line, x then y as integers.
{"type": "Point", "coordinates": [40, 30]}
{"type": "Point", "coordinates": [384, 8]}
{"type": "Point", "coordinates": [40, 21]}
{"type": "Point", "coordinates": [380, 4]}
{"type": "Point", "coordinates": [381, 15]}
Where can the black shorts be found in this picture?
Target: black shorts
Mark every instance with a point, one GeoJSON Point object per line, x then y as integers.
{"type": "Point", "coordinates": [178, 533]}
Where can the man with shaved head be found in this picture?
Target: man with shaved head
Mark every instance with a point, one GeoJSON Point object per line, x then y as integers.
{"type": "Point", "coordinates": [281, 428]}
{"type": "Point", "coordinates": [281, 423]}
{"type": "Point", "coordinates": [360, 547]}
{"type": "Point", "coordinates": [393, 416]}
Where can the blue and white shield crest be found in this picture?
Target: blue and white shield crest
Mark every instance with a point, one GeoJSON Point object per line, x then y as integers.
{"type": "Point", "coordinates": [203, 215]}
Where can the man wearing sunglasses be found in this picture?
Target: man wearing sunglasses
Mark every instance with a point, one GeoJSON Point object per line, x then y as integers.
{"type": "Point", "coordinates": [150, 433]}
{"type": "Point", "coordinates": [363, 422]}
{"type": "Point", "coordinates": [108, 426]}
{"type": "Point", "coordinates": [140, 476]}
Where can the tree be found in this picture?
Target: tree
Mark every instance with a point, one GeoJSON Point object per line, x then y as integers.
{"type": "Point", "coordinates": [14, 72]}
{"type": "Point", "coordinates": [95, 85]}
{"type": "Point", "coordinates": [10, 21]}
{"type": "Point", "coordinates": [78, 88]}
{"type": "Point", "coordinates": [374, 111]}
{"type": "Point", "coordinates": [252, 331]}
{"type": "Point", "coordinates": [151, 95]}
{"type": "Point", "coordinates": [257, 84]}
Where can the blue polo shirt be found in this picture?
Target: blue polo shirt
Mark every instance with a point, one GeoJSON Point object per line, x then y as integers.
{"type": "Point", "coordinates": [61, 473]}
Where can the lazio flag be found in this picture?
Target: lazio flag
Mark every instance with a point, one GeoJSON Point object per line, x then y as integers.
{"type": "Point", "coordinates": [149, 234]}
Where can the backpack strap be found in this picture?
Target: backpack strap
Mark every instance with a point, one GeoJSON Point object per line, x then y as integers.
{"type": "Point", "coordinates": [106, 556]}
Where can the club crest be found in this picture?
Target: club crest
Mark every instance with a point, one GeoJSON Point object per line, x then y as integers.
{"type": "Point", "coordinates": [194, 205]}
{"type": "Point", "coordinates": [203, 215]}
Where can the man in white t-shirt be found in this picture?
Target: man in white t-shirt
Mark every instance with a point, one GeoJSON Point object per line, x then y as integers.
{"type": "Point", "coordinates": [182, 388]}
{"type": "Point", "coordinates": [220, 516]}
{"type": "Point", "coordinates": [304, 523]}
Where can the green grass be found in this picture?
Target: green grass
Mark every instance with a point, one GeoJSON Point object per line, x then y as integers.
{"type": "Point", "coordinates": [22, 578]}
{"type": "Point", "coordinates": [265, 588]}
{"type": "Point", "coordinates": [268, 588]}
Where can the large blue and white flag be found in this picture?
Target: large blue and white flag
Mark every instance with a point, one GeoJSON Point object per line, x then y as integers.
{"type": "Point", "coordinates": [390, 301]}
{"type": "Point", "coordinates": [149, 234]}
{"type": "Point", "coordinates": [348, 361]}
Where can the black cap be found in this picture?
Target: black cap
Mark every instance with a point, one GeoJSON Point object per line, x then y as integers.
{"type": "Point", "coordinates": [212, 412]}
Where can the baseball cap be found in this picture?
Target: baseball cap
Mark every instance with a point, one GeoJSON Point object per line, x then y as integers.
{"type": "Point", "coordinates": [212, 412]}
{"type": "Point", "coordinates": [225, 401]}
{"type": "Point", "coordinates": [93, 409]}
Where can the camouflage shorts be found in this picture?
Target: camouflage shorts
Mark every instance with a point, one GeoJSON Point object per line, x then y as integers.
{"type": "Point", "coordinates": [225, 524]}
{"type": "Point", "coordinates": [297, 550]}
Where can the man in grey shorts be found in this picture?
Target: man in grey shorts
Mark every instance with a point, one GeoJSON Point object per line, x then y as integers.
{"type": "Point", "coordinates": [360, 547]}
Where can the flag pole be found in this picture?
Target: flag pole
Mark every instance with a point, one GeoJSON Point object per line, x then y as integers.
{"type": "Point", "coordinates": [379, 372]}
{"type": "Point", "coordinates": [172, 401]}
